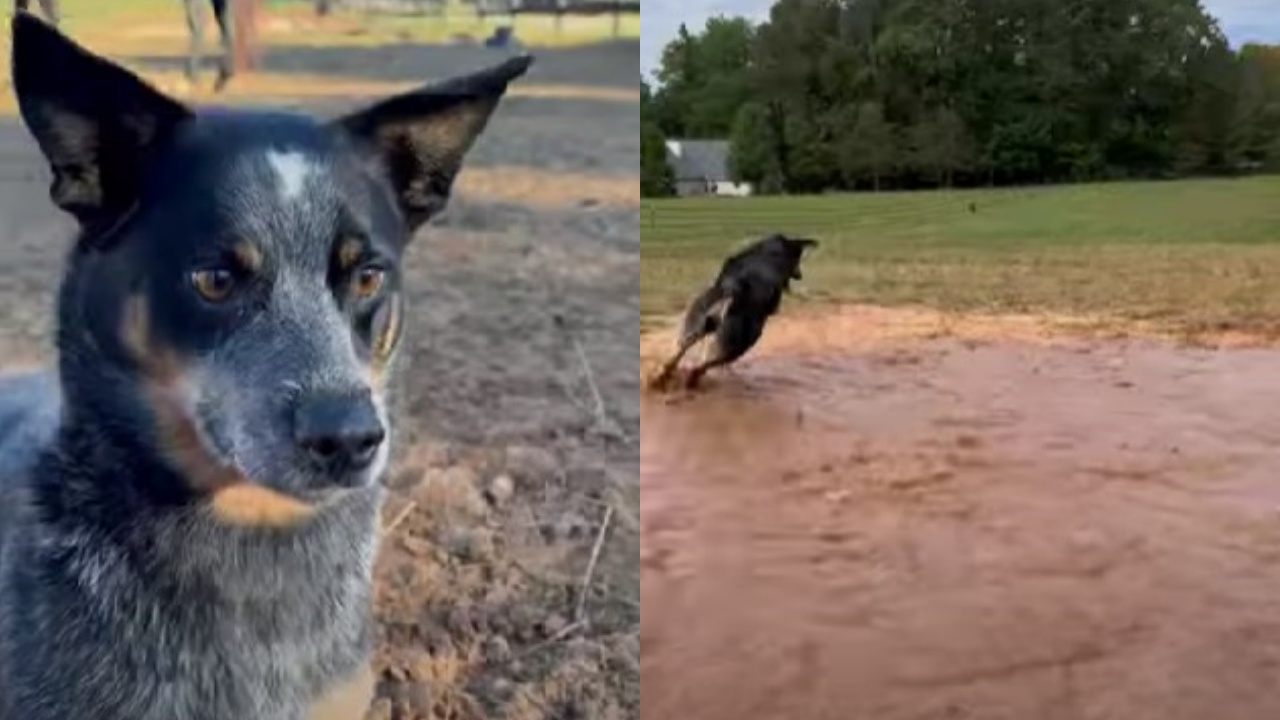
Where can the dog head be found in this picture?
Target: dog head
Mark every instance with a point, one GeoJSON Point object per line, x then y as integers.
{"type": "Point", "coordinates": [795, 248]}
{"type": "Point", "coordinates": [236, 287]}
{"type": "Point", "coordinates": [784, 253]}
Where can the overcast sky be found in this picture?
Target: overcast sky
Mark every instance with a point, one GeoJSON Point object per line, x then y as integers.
{"type": "Point", "coordinates": [1243, 20]}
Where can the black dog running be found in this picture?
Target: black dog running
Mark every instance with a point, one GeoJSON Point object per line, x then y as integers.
{"type": "Point", "coordinates": [736, 306]}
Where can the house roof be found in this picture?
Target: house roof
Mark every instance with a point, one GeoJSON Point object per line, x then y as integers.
{"type": "Point", "coordinates": [699, 159]}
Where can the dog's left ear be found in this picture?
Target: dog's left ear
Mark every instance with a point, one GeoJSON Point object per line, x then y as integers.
{"type": "Point", "coordinates": [420, 138]}
{"type": "Point", "coordinates": [804, 243]}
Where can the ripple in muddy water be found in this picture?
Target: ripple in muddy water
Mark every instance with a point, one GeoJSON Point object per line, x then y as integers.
{"type": "Point", "coordinates": [944, 529]}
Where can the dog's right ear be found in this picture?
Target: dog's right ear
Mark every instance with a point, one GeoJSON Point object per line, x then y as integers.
{"type": "Point", "coordinates": [95, 122]}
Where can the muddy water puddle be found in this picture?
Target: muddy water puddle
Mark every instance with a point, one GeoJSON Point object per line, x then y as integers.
{"type": "Point", "coordinates": [950, 529]}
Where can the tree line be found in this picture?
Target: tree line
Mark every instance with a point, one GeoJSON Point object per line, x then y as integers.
{"type": "Point", "coordinates": [872, 94]}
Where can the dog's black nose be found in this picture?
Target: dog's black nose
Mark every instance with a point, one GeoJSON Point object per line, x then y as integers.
{"type": "Point", "coordinates": [338, 433]}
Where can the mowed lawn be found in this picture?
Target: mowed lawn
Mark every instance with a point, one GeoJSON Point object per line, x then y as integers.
{"type": "Point", "coordinates": [1196, 255]}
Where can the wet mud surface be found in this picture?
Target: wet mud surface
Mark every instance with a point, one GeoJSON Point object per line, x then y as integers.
{"type": "Point", "coordinates": [519, 423]}
{"type": "Point", "coordinates": [971, 522]}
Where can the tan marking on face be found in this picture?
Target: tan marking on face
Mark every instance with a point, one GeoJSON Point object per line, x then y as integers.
{"type": "Point", "coordinates": [386, 332]}
{"type": "Point", "coordinates": [232, 497]}
{"type": "Point", "coordinates": [159, 364]}
{"type": "Point", "coordinates": [349, 252]}
{"type": "Point", "coordinates": [248, 255]}
{"type": "Point", "coordinates": [390, 331]}
{"type": "Point", "coordinates": [163, 375]}
{"type": "Point", "coordinates": [135, 329]}
{"type": "Point", "coordinates": [246, 503]}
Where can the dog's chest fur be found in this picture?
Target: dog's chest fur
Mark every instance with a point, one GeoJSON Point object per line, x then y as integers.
{"type": "Point", "coordinates": [213, 623]}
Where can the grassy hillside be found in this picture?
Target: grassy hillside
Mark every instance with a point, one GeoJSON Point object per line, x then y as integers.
{"type": "Point", "coordinates": [1201, 254]}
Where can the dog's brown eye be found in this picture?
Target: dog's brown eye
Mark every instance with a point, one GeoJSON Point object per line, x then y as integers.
{"type": "Point", "coordinates": [368, 282]}
{"type": "Point", "coordinates": [213, 284]}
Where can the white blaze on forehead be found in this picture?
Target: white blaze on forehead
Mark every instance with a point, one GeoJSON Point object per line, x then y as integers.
{"type": "Point", "coordinates": [292, 169]}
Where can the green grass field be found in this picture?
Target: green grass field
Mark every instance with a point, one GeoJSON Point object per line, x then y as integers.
{"type": "Point", "coordinates": [1190, 255]}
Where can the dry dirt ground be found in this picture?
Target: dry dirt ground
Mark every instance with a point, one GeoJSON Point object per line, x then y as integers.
{"type": "Point", "coordinates": [897, 514]}
{"type": "Point", "coordinates": [520, 402]}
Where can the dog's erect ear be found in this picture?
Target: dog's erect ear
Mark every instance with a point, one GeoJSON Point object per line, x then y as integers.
{"type": "Point", "coordinates": [95, 122]}
{"type": "Point", "coordinates": [420, 138]}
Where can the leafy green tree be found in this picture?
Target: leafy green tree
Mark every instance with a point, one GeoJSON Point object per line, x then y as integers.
{"type": "Point", "coordinates": [852, 93]}
{"type": "Point", "coordinates": [1257, 107]}
{"type": "Point", "coordinates": [656, 176]}
{"type": "Point", "coordinates": [704, 79]}
{"type": "Point", "coordinates": [866, 150]}
{"type": "Point", "coordinates": [941, 147]}
{"type": "Point", "coordinates": [753, 143]}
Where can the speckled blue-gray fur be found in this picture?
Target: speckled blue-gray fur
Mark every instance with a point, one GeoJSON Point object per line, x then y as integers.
{"type": "Point", "coordinates": [189, 502]}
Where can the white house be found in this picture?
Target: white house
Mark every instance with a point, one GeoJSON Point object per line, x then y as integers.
{"type": "Point", "coordinates": [701, 167]}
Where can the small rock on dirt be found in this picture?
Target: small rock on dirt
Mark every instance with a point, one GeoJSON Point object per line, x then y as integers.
{"type": "Point", "coordinates": [497, 649]}
{"type": "Point", "coordinates": [501, 488]}
{"type": "Point", "coordinates": [503, 687]}
{"type": "Point", "coordinates": [553, 624]}
{"type": "Point", "coordinates": [531, 464]}
{"type": "Point", "coordinates": [569, 526]}
{"type": "Point", "coordinates": [471, 545]}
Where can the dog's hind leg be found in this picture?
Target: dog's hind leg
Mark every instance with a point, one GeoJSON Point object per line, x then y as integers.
{"type": "Point", "coordinates": [702, 319]}
{"type": "Point", "coordinates": [737, 334]}
{"type": "Point", "coordinates": [687, 343]}
{"type": "Point", "coordinates": [716, 356]}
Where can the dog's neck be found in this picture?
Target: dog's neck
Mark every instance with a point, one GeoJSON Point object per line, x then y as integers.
{"type": "Point", "coordinates": [91, 481]}
{"type": "Point", "coordinates": [289, 605]}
